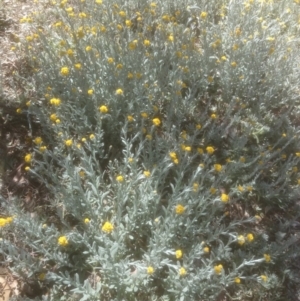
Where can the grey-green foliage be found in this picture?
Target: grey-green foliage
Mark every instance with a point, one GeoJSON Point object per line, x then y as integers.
{"type": "Point", "coordinates": [133, 173]}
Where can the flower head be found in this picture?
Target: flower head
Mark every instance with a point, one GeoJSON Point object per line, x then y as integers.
{"type": "Point", "coordinates": [267, 257]}
{"type": "Point", "coordinates": [55, 101]}
{"type": "Point", "coordinates": [241, 240]}
{"type": "Point", "coordinates": [110, 60]}
{"type": "Point", "coordinates": [68, 142]}
{"type": "Point", "coordinates": [218, 167]}
{"type": "Point", "coordinates": [64, 71]}
{"type": "Point", "coordinates": [224, 198]}
{"type": "Point", "coordinates": [27, 158]}
{"type": "Point", "coordinates": [38, 140]}
{"type": "Point", "coordinates": [147, 173]}
{"type": "Point", "coordinates": [63, 241]}
{"type": "Point", "coordinates": [182, 271]}
{"type": "Point", "coordinates": [206, 249]}
{"type": "Point", "coordinates": [203, 15]}
{"type": "Point", "coordinates": [250, 237]}
{"type": "Point", "coordinates": [218, 269]}
{"type": "Point", "coordinates": [120, 178]}
{"type": "Point", "coordinates": [178, 254]}
{"type": "Point", "coordinates": [264, 278]}
{"type": "Point", "coordinates": [103, 109]}
{"type": "Point", "coordinates": [147, 43]}
{"type": "Point", "coordinates": [86, 220]}
{"type": "Point", "coordinates": [179, 209]}
{"type": "Point", "coordinates": [156, 121]}
{"type": "Point", "coordinates": [90, 92]}
{"type": "Point", "coordinates": [150, 270]}
{"type": "Point", "coordinates": [237, 280]}
{"type": "Point", "coordinates": [107, 227]}
{"type": "Point", "coordinates": [119, 92]}
{"type": "Point", "coordinates": [210, 150]}
{"type": "Point", "coordinates": [130, 118]}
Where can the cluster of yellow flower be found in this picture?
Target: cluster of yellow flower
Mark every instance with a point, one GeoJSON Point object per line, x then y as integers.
{"type": "Point", "coordinates": [4, 221]}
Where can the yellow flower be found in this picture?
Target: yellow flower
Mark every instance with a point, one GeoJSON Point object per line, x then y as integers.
{"type": "Point", "coordinates": [38, 140]}
{"type": "Point", "coordinates": [77, 66]}
{"type": "Point", "coordinates": [250, 237]}
{"type": "Point", "coordinates": [68, 142]}
{"type": "Point", "coordinates": [218, 269]}
{"type": "Point", "coordinates": [156, 121]}
{"type": "Point", "coordinates": [70, 52]}
{"type": "Point", "coordinates": [240, 188]}
{"type": "Point", "coordinates": [195, 187]}
{"type": "Point", "coordinates": [88, 48]}
{"type": "Point", "coordinates": [27, 158]}
{"type": "Point", "coordinates": [63, 241]}
{"type": "Point", "coordinates": [218, 167]}
{"type": "Point", "coordinates": [90, 92]}
{"type": "Point", "coordinates": [119, 66]}
{"type": "Point", "coordinates": [27, 168]}
{"type": "Point", "coordinates": [170, 38]}
{"type": "Point", "coordinates": [107, 227]}
{"type": "Point", "coordinates": [119, 92]}
{"type": "Point", "coordinates": [122, 14]}
{"type": "Point", "coordinates": [267, 257]}
{"type": "Point", "coordinates": [149, 137]}
{"type": "Point", "coordinates": [92, 136]}
{"type": "Point", "coordinates": [233, 64]}
{"type": "Point", "coordinates": [213, 116]}
{"type": "Point", "coordinates": [120, 178]}
{"type": "Point", "coordinates": [210, 150]}
{"type": "Point", "coordinates": [132, 45]}
{"type": "Point", "coordinates": [3, 222]}
{"type": "Point", "coordinates": [179, 209]}
{"type": "Point", "coordinates": [178, 254]}
{"type": "Point", "coordinates": [147, 173]}
{"type": "Point", "coordinates": [203, 15]}
{"type": "Point", "coordinates": [206, 250]}
{"type": "Point", "coordinates": [128, 23]}
{"type": "Point", "coordinates": [19, 110]}
{"type": "Point", "coordinates": [43, 148]}
{"type": "Point", "coordinates": [198, 126]}
{"type": "Point", "coordinates": [224, 198]}
{"type": "Point", "coordinates": [130, 160]}
{"type": "Point", "coordinates": [297, 154]}
{"type": "Point", "coordinates": [182, 271]}
{"type": "Point", "coordinates": [144, 114]}
{"type": "Point", "coordinates": [103, 109]}
{"type": "Point", "coordinates": [81, 173]}
{"type": "Point", "coordinates": [150, 270]}
{"type": "Point", "coordinates": [129, 75]}
{"type": "Point", "coordinates": [130, 118]}
{"type": "Point", "coordinates": [86, 220]}
{"type": "Point", "coordinates": [147, 43]}
{"type": "Point", "coordinates": [98, 1]}
{"type": "Point", "coordinates": [264, 278]}
{"type": "Point", "coordinates": [55, 101]}
{"type": "Point", "coordinates": [53, 117]}
{"type": "Point", "coordinates": [64, 71]}
{"type": "Point", "coordinates": [241, 240]}
{"type": "Point", "coordinates": [110, 60]}
{"type": "Point", "coordinates": [237, 280]}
